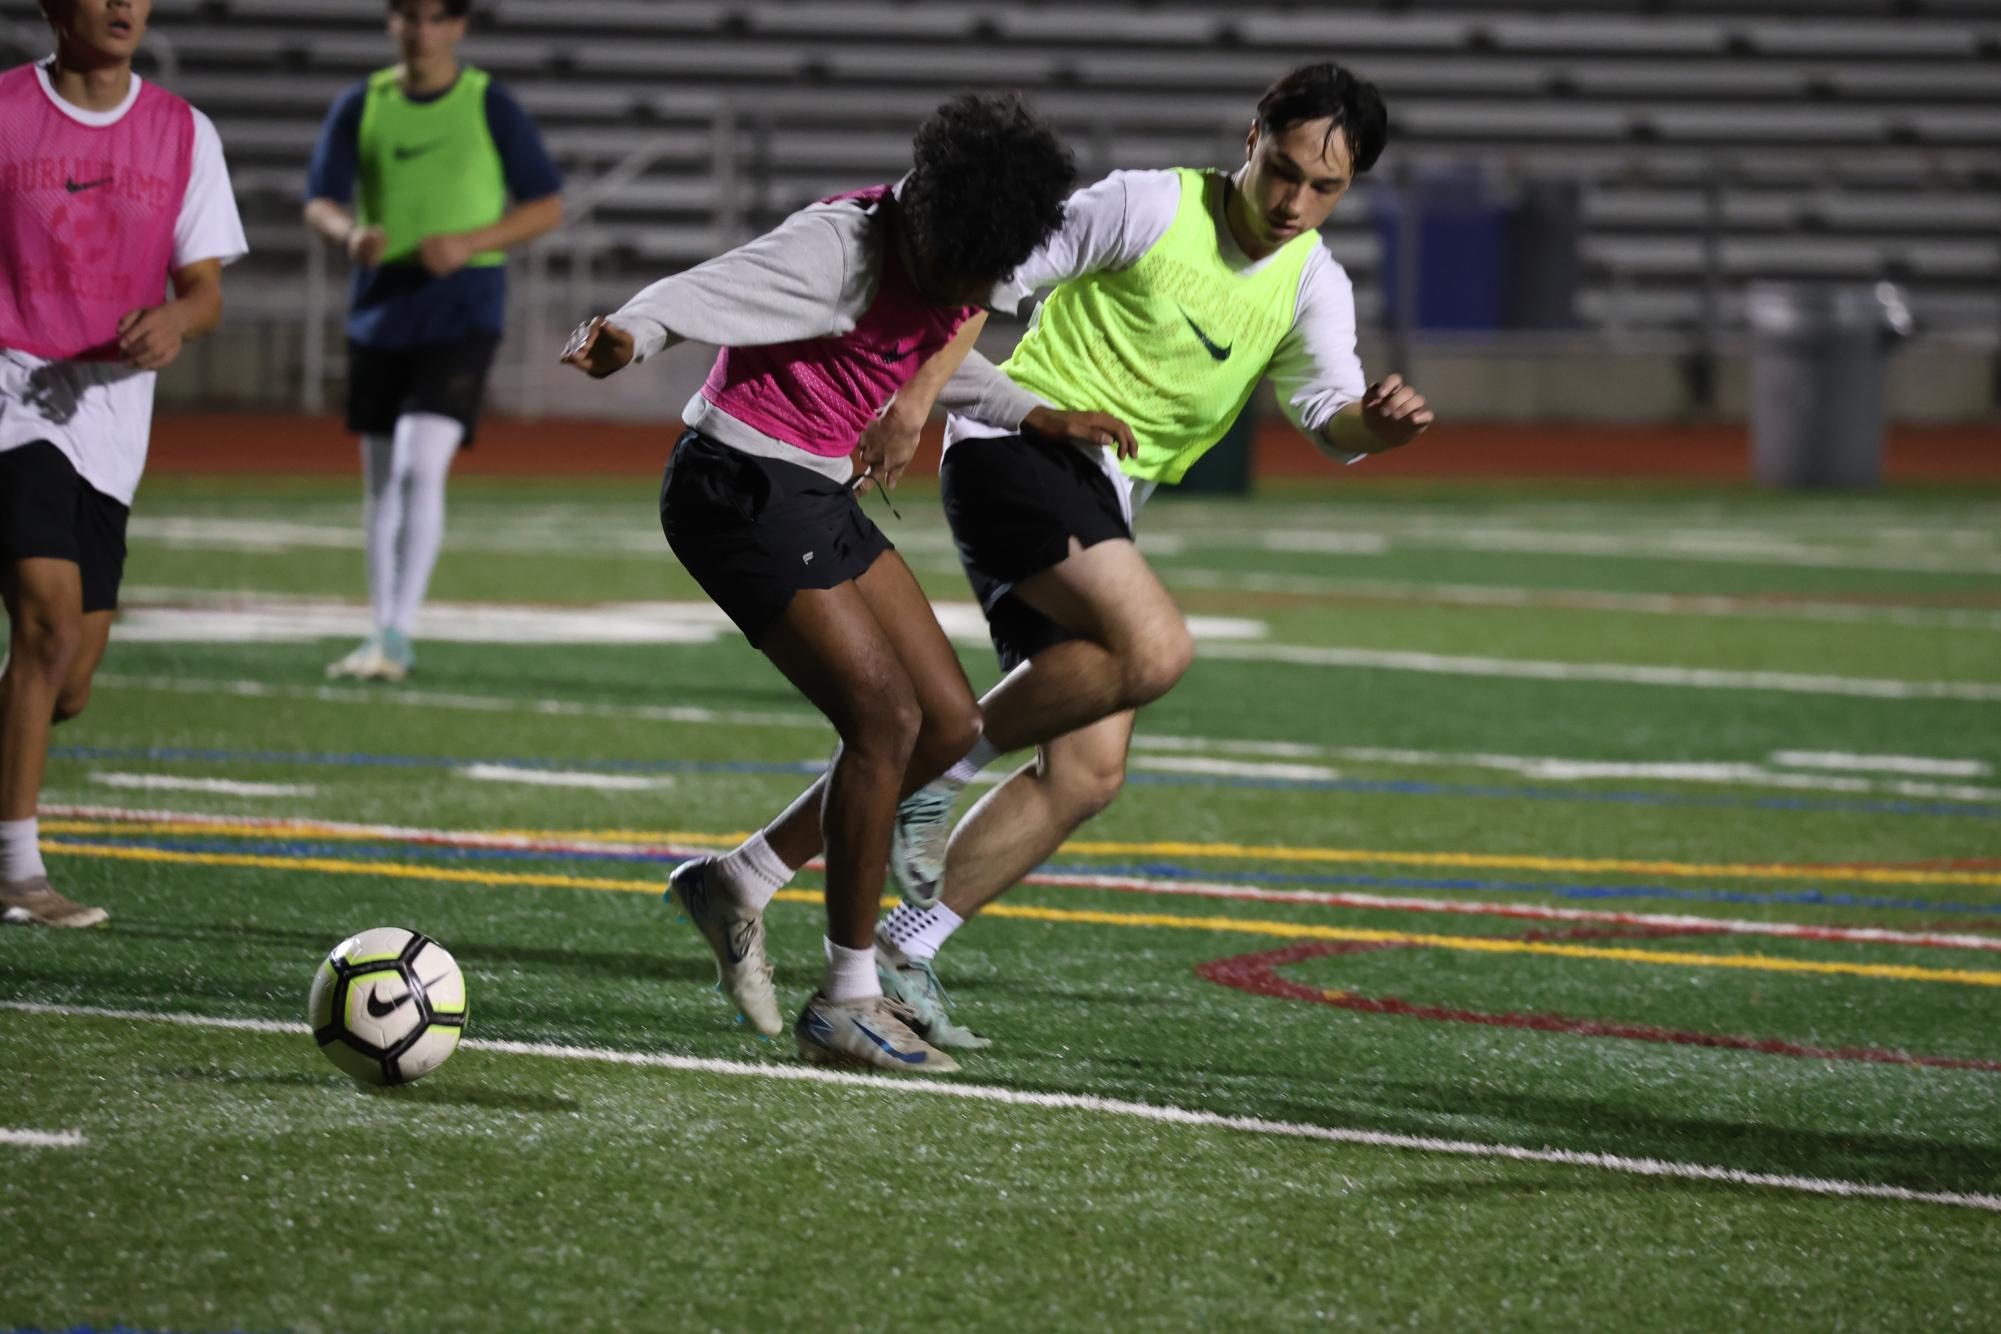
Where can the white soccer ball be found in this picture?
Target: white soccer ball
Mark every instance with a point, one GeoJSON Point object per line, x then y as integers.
{"type": "Point", "coordinates": [388, 1005]}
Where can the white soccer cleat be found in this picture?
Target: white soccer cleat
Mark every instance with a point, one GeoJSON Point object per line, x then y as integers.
{"type": "Point", "coordinates": [380, 657]}
{"type": "Point", "coordinates": [736, 938]}
{"type": "Point", "coordinates": [365, 663]}
{"type": "Point", "coordinates": [34, 902]}
{"type": "Point", "coordinates": [869, 1034]}
{"type": "Point", "coordinates": [917, 842]}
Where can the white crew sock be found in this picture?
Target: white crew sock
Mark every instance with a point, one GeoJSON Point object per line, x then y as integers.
{"type": "Point", "coordinates": [425, 445]}
{"type": "Point", "coordinates": [21, 849]}
{"type": "Point", "coordinates": [753, 872]}
{"type": "Point", "coordinates": [918, 932]}
{"type": "Point", "coordinates": [850, 974]}
{"type": "Point", "coordinates": [979, 757]}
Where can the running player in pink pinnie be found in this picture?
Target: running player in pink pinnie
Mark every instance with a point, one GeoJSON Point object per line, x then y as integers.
{"type": "Point", "coordinates": [109, 188]}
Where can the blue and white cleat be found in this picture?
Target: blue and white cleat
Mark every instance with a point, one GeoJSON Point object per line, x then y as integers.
{"type": "Point", "coordinates": [917, 842]}
{"type": "Point", "coordinates": [869, 1034]}
{"type": "Point", "coordinates": [736, 938]}
{"type": "Point", "coordinates": [399, 656]}
{"type": "Point", "coordinates": [915, 983]}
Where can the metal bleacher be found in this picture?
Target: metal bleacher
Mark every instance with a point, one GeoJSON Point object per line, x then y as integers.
{"type": "Point", "coordinates": [1715, 140]}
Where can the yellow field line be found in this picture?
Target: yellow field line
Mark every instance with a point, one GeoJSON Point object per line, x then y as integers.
{"type": "Point", "coordinates": [1079, 916]}
{"type": "Point", "coordinates": [335, 866]}
{"type": "Point", "coordinates": [1882, 875]}
{"type": "Point", "coordinates": [1235, 851]}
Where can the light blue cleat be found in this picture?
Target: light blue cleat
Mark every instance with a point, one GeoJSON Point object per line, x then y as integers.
{"type": "Point", "coordinates": [914, 983]}
{"type": "Point", "coordinates": [917, 842]}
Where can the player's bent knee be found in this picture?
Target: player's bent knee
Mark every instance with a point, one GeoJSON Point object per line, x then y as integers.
{"type": "Point", "coordinates": [884, 726]}
{"type": "Point", "coordinates": [1165, 659]}
{"type": "Point", "coordinates": [1088, 788]}
{"type": "Point", "coordinates": [954, 732]}
{"type": "Point", "coordinates": [46, 646]}
{"type": "Point", "coordinates": [71, 702]}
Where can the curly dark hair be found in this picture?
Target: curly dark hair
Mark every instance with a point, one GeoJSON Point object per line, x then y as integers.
{"type": "Point", "coordinates": [1328, 92]}
{"type": "Point", "coordinates": [987, 185]}
{"type": "Point", "coordinates": [454, 9]}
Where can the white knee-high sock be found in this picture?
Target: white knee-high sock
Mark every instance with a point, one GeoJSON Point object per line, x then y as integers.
{"type": "Point", "coordinates": [381, 518]}
{"type": "Point", "coordinates": [426, 443]}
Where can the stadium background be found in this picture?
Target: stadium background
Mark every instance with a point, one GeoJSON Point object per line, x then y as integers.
{"type": "Point", "coordinates": [1590, 186]}
{"type": "Point", "coordinates": [1562, 894]}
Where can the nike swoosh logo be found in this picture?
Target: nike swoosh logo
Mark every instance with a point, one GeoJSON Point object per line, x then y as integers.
{"type": "Point", "coordinates": [1219, 353]}
{"type": "Point", "coordinates": [695, 898]}
{"type": "Point", "coordinates": [78, 187]}
{"type": "Point", "coordinates": [907, 1057]}
{"type": "Point", "coordinates": [404, 153]}
{"type": "Point", "coordinates": [376, 1009]}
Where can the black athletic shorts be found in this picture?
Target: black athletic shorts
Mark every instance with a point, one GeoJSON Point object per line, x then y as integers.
{"type": "Point", "coordinates": [449, 379]}
{"type": "Point", "coordinates": [754, 531]}
{"type": "Point", "coordinates": [47, 510]}
{"type": "Point", "coordinates": [1013, 504]}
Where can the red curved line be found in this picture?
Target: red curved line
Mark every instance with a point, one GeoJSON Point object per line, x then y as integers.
{"type": "Point", "coordinates": [1258, 975]}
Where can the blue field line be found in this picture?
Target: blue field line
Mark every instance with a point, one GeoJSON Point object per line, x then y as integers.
{"type": "Point", "coordinates": [1149, 870]}
{"type": "Point", "coordinates": [811, 768]}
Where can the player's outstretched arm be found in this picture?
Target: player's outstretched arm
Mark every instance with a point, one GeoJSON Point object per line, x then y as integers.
{"type": "Point", "coordinates": [1391, 414]}
{"type": "Point", "coordinates": [150, 339]}
{"type": "Point", "coordinates": [598, 347]}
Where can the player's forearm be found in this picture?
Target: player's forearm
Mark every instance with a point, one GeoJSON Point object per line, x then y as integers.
{"type": "Point", "coordinates": [914, 401]}
{"type": "Point", "coordinates": [978, 389]}
{"type": "Point", "coordinates": [330, 219]}
{"type": "Point", "coordinates": [1346, 435]}
{"type": "Point", "coordinates": [521, 224]}
{"type": "Point", "coordinates": [198, 301]}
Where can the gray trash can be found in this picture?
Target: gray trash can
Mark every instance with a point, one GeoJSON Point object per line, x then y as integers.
{"type": "Point", "coordinates": [1818, 352]}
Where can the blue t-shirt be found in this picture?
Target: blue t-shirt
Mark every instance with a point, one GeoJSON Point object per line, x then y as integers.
{"type": "Point", "coordinates": [402, 305]}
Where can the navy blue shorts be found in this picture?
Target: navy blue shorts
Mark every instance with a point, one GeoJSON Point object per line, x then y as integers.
{"type": "Point", "coordinates": [445, 379]}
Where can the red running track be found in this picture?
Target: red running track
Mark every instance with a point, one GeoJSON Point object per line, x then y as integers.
{"type": "Point", "coordinates": [211, 443]}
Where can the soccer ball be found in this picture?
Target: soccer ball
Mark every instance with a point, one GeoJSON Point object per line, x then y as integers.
{"type": "Point", "coordinates": [388, 1005]}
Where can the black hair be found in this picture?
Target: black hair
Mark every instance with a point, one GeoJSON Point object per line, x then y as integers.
{"type": "Point", "coordinates": [456, 9]}
{"type": "Point", "coordinates": [987, 185]}
{"type": "Point", "coordinates": [1328, 92]}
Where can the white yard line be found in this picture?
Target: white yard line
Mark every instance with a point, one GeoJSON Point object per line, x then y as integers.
{"type": "Point", "coordinates": [1722, 546]}
{"type": "Point", "coordinates": [1579, 599]}
{"type": "Point", "coordinates": [508, 773]}
{"type": "Point", "coordinates": [1195, 764]}
{"type": "Point", "coordinates": [227, 787]}
{"type": "Point", "coordinates": [1113, 1108]}
{"type": "Point", "coordinates": [42, 1139]}
{"type": "Point", "coordinates": [1646, 537]}
{"type": "Point", "coordinates": [1646, 674]}
{"type": "Point", "coordinates": [257, 620]}
{"type": "Point", "coordinates": [1888, 764]}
